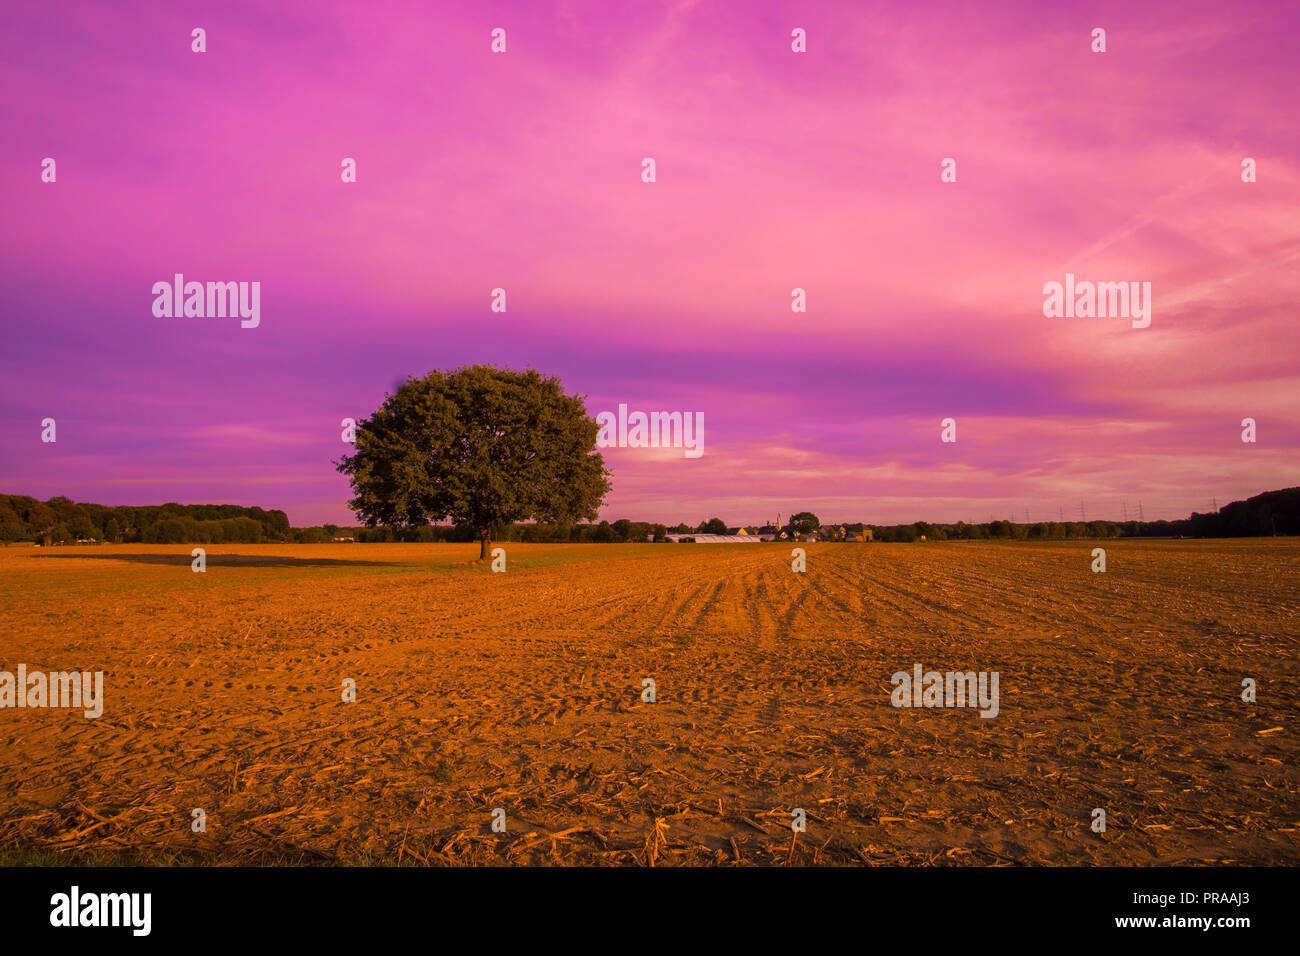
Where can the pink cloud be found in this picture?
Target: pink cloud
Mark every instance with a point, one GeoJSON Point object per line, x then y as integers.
{"type": "Point", "coordinates": [776, 170]}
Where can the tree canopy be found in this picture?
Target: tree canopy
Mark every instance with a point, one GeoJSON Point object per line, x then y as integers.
{"type": "Point", "coordinates": [479, 446]}
{"type": "Point", "coordinates": [805, 521]}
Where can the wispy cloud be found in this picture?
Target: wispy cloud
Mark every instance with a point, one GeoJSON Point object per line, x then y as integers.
{"type": "Point", "coordinates": [776, 170]}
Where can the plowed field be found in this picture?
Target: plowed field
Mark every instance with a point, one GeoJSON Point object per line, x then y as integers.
{"type": "Point", "coordinates": [523, 691]}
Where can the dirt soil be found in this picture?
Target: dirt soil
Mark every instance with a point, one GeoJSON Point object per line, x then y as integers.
{"type": "Point", "coordinates": [523, 691]}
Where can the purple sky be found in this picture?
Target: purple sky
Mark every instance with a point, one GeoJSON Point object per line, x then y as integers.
{"type": "Point", "coordinates": [775, 170]}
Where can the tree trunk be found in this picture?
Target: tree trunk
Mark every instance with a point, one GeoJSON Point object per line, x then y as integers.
{"type": "Point", "coordinates": [485, 544]}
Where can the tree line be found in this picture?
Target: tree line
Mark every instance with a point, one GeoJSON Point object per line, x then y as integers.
{"type": "Point", "coordinates": [1269, 513]}
{"type": "Point", "coordinates": [1273, 512]}
{"type": "Point", "coordinates": [622, 530]}
{"type": "Point", "coordinates": [62, 521]}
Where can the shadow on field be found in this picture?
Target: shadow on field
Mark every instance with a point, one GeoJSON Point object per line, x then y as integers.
{"type": "Point", "coordinates": [228, 560]}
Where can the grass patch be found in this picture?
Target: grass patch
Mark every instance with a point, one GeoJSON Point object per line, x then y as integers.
{"type": "Point", "coordinates": [41, 856]}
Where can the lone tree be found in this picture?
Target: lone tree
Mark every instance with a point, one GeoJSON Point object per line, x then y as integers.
{"type": "Point", "coordinates": [480, 446]}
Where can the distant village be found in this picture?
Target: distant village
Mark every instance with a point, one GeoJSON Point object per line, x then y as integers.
{"type": "Point", "coordinates": [770, 532]}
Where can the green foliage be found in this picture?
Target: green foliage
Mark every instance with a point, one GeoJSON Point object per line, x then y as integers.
{"type": "Point", "coordinates": [804, 522]}
{"type": "Point", "coordinates": [480, 447]}
{"type": "Point", "coordinates": [60, 518]}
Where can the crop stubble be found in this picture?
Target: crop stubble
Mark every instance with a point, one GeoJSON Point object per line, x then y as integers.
{"type": "Point", "coordinates": [522, 691]}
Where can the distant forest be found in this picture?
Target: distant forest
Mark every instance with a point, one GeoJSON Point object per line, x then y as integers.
{"type": "Point", "coordinates": [61, 521]}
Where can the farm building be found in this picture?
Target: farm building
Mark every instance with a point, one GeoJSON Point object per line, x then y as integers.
{"type": "Point", "coordinates": [714, 538]}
